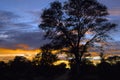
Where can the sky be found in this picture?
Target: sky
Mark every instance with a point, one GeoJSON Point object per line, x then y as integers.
{"type": "Point", "coordinates": [19, 20]}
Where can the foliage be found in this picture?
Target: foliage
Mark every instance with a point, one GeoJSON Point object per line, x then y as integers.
{"type": "Point", "coordinates": [48, 58]}
{"type": "Point", "coordinates": [113, 59]}
{"type": "Point", "coordinates": [76, 25]}
{"type": "Point", "coordinates": [23, 69]}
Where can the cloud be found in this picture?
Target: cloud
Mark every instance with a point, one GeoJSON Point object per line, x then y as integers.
{"type": "Point", "coordinates": [115, 18]}
{"type": "Point", "coordinates": [22, 46]}
{"type": "Point", "coordinates": [115, 12]}
{"type": "Point", "coordinates": [31, 40]}
{"type": "Point", "coordinates": [3, 36]}
{"type": "Point", "coordinates": [14, 30]}
{"type": "Point", "coordinates": [11, 19]}
{"type": "Point", "coordinates": [111, 3]}
{"type": "Point", "coordinates": [7, 15]}
{"type": "Point", "coordinates": [6, 18]}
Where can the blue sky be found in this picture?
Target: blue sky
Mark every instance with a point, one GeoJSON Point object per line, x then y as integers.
{"type": "Point", "coordinates": [19, 21]}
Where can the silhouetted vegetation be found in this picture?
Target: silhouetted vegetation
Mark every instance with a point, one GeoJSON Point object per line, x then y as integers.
{"type": "Point", "coordinates": [22, 69]}
{"type": "Point", "coordinates": [69, 24]}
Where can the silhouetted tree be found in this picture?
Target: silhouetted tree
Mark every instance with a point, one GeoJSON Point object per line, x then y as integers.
{"type": "Point", "coordinates": [20, 64]}
{"type": "Point", "coordinates": [76, 25]}
{"type": "Point", "coordinates": [113, 59]}
{"type": "Point", "coordinates": [104, 70]}
{"type": "Point", "coordinates": [68, 25]}
{"type": "Point", "coordinates": [2, 67]}
{"type": "Point", "coordinates": [37, 59]}
{"type": "Point", "coordinates": [48, 58]}
{"type": "Point", "coordinates": [102, 54]}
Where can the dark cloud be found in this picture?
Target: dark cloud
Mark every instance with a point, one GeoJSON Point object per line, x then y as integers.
{"type": "Point", "coordinates": [13, 31]}
{"type": "Point", "coordinates": [10, 19]}
{"type": "Point", "coordinates": [22, 25]}
{"type": "Point", "coordinates": [7, 18]}
{"type": "Point", "coordinates": [32, 39]}
{"type": "Point", "coordinates": [7, 15]}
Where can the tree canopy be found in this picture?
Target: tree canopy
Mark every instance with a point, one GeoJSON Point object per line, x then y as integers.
{"type": "Point", "coordinates": [76, 25]}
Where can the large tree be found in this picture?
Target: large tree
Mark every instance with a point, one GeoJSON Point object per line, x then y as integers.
{"type": "Point", "coordinates": [75, 25]}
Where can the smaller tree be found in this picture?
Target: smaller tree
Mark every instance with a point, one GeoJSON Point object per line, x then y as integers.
{"type": "Point", "coordinates": [113, 59]}
{"type": "Point", "coordinates": [20, 64]}
{"type": "Point", "coordinates": [48, 58]}
{"type": "Point", "coordinates": [37, 59]}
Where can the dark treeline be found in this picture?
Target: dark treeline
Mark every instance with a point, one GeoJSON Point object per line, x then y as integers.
{"type": "Point", "coordinates": [22, 69]}
{"type": "Point", "coordinates": [108, 69]}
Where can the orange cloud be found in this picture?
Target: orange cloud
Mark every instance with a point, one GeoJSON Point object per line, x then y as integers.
{"type": "Point", "coordinates": [115, 12]}
{"type": "Point", "coordinates": [18, 51]}
{"type": "Point", "coordinates": [22, 46]}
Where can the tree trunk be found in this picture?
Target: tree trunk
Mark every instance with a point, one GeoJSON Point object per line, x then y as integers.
{"type": "Point", "coordinates": [78, 60]}
{"type": "Point", "coordinates": [77, 64]}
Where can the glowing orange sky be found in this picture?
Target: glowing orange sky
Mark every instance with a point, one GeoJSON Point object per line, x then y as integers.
{"type": "Point", "coordinates": [18, 51]}
{"type": "Point", "coordinates": [4, 52]}
{"type": "Point", "coordinates": [9, 54]}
